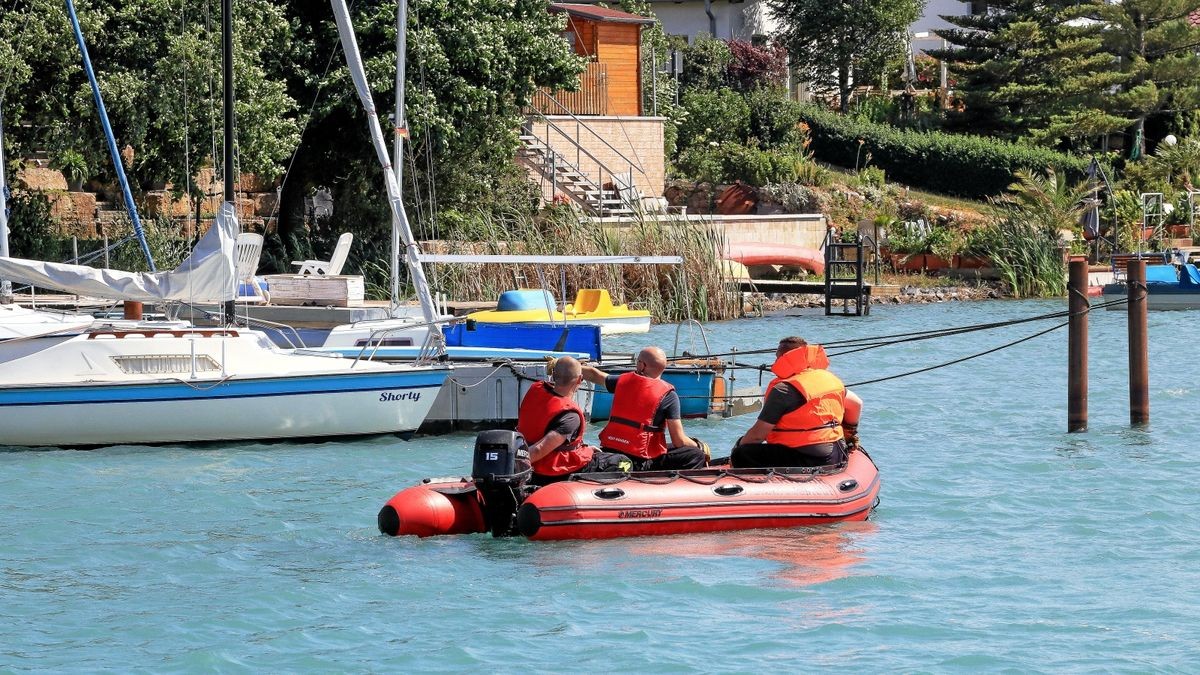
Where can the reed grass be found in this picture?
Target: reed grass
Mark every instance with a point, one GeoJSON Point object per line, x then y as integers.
{"type": "Point", "coordinates": [1028, 257]}
{"type": "Point", "coordinates": [672, 293]}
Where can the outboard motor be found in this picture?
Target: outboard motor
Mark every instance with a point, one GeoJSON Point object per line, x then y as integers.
{"type": "Point", "coordinates": [500, 471]}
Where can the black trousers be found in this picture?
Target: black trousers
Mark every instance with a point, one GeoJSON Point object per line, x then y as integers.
{"type": "Point", "coordinates": [674, 459]}
{"type": "Point", "coordinates": [601, 462]}
{"type": "Point", "coordinates": [765, 455]}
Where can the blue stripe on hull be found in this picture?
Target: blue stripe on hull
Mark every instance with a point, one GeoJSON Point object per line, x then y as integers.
{"type": "Point", "coordinates": [202, 390]}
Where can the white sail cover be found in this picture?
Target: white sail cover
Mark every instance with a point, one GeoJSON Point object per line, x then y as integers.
{"type": "Point", "coordinates": [206, 276]}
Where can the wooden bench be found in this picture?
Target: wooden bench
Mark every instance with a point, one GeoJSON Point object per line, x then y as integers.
{"type": "Point", "coordinates": [1120, 261]}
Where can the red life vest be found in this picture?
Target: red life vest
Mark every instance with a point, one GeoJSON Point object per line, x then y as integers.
{"type": "Point", "coordinates": [630, 427]}
{"type": "Point", "coordinates": [819, 420]}
{"type": "Point", "coordinates": [538, 410]}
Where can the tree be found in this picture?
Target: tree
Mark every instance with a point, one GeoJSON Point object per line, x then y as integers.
{"type": "Point", "coordinates": [471, 66]}
{"type": "Point", "coordinates": [829, 41]}
{"type": "Point", "coordinates": [1031, 69]}
{"type": "Point", "coordinates": [1026, 71]}
{"type": "Point", "coordinates": [754, 67]}
{"type": "Point", "coordinates": [1153, 45]}
{"type": "Point", "coordinates": [158, 65]}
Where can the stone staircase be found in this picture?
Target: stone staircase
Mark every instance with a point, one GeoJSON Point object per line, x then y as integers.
{"type": "Point", "coordinates": [615, 197]}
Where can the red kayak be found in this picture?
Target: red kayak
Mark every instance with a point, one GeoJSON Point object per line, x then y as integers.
{"type": "Point", "coordinates": [603, 506]}
{"type": "Point", "coordinates": [785, 255]}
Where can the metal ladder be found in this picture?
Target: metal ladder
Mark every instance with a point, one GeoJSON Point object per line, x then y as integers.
{"type": "Point", "coordinates": [844, 276]}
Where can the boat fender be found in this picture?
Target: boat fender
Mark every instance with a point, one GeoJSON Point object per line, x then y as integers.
{"type": "Point", "coordinates": [426, 511]}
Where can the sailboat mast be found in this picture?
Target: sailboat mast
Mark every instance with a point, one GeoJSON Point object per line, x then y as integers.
{"type": "Point", "coordinates": [5, 285]}
{"type": "Point", "coordinates": [401, 124]}
{"type": "Point", "coordinates": [227, 88]}
{"type": "Point", "coordinates": [118, 168]}
{"type": "Point", "coordinates": [228, 127]}
{"type": "Point", "coordinates": [399, 217]}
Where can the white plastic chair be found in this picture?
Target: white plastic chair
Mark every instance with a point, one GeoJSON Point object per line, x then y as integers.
{"type": "Point", "coordinates": [249, 250]}
{"type": "Point", "coordinates": [335, 263]}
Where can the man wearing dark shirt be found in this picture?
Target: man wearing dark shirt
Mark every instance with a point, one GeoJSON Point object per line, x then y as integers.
{"type": "Point", "coordinates": [645, 411]}
{"type": "Point", "coordinates": [792, 430]}
{"type": "Point", "coordinates": [554, 425]}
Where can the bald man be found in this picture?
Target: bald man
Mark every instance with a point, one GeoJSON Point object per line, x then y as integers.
{"type": "Point", "coordinates": [645, 410]}
{"type": "Point", "coordinates": [553, 424]}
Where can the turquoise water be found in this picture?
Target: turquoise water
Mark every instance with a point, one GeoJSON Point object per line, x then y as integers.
{"type": "Point", "coordinates": [1001, 542]}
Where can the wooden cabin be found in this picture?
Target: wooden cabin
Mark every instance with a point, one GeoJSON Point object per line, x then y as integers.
{"type": "Point", "coordinates": [611, 40]}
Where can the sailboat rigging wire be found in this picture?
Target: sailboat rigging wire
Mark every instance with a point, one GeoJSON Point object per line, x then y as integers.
{"type": "Point", "coordinates": [212, 115]}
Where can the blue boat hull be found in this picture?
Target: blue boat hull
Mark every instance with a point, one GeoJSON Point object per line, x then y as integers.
{"type": "Point", "coordinates": [694, 386]}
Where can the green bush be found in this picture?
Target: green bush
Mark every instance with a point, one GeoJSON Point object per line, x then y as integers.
{"type": "Point", "coordinates": [774, 121]}
{"type": "Point", "coordinates": [702, 163]}
{"type": "Point", "coordinates": [968, 166]}
{"type": "Point", "coordinates": [731, 162]}
{"type": "Point", "coordinates": [720, 116]}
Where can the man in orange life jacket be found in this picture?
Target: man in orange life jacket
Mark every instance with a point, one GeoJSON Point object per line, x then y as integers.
{"type": "Point", "coordinates": [553, 425]}
{"type": "Point", "coordinates": [644, 410]}
{"type": "Point", "coordinates": [808, 417]}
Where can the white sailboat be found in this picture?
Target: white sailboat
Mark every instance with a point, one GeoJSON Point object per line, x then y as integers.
{"type": "Point", "coordinates": [146, 384]}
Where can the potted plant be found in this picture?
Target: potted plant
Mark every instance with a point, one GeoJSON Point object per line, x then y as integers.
{"type": "Point", "coordinates": [941, 244]}
{"type": "Point", "coordinates": [73, 167]}
{"type": "Point", "coordinates": [906, 246]}
{"type": "Point", "coordinates": [976, 245]}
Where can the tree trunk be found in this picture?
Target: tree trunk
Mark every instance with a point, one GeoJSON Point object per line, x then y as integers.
{"type": "Point", "coordinates": [844, 88]}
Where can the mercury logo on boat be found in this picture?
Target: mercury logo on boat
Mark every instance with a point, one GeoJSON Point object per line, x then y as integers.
{"type": "Point", "coordinates": [640, 513]}
{"type": "Point", "coordinates": [406, 396]}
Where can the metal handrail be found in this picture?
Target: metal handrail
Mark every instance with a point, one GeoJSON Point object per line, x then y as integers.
{"type": "Point", "coordinates": [690, 323]}
{"type": "Point", "coordinates": [555, 156]}
{"type": "Point", "coordinates": [592, 131]}
{"type": "Point", "coordinates": [374, 343]}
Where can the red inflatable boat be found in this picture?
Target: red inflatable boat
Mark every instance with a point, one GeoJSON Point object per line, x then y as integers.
{"type": "Point", "coordinates": [602, 506]}
{"type": "Point", "coordinates": [785, 255]}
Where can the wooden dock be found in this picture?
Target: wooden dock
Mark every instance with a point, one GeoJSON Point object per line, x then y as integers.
{"type": "Point", "coordinates": [809, 287]}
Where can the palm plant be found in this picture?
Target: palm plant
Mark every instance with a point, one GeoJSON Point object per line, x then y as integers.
{"type": "Point", "coordinates": [1025, 238]}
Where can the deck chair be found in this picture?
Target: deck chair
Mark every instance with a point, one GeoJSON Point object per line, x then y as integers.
{"type": "Point", "coordinates": [335, 263]}
{"type": "Point", "coordinates": [249, 250]}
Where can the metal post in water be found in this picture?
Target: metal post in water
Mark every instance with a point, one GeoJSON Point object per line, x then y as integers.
{"type": "Point", "coordinates": [1077, 347]}
{"type": "Point", "coordinates": [1139, 344]}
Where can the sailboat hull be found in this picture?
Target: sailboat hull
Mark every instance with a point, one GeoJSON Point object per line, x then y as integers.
{"type": "Point", "coordinates": [180, 386]}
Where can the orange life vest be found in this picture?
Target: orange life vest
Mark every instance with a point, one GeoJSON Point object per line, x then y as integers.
{"type": "Point", "coordinates": [538, 410]}
{"type": "Point", "coordinates": [630, 427]}
{"type": "Point", "coordinates": [819, 420]}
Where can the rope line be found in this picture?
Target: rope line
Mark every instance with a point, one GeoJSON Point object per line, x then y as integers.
{"type": "Point", "coordinates": [956, 361]}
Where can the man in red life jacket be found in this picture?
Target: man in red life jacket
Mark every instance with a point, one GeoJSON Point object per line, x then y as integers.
{"type": "Point", "coordinates": [553, 425]}
{"type": "Point", "coordinates": [644, 410]}
{"type": "Point", "coordinates": [808, 417]}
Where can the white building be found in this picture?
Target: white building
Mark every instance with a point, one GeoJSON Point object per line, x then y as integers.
{"type": "Point", "coordinates": [747, 19]}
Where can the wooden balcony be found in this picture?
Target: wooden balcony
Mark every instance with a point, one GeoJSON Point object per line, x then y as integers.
{"type": "Point", "coordinates": [590, 99]}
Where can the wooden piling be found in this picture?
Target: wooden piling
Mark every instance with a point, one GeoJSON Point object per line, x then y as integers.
{"type": "Point", "coordinates": [133, 310]}
{"type": "Point", "coordinates": [1077, 347]}
{"type": "Point", "coordinates": [1139, 345]}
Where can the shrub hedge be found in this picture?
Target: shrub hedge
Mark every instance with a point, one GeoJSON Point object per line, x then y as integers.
{"type": "Point", "coordinates": [967, 166]}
